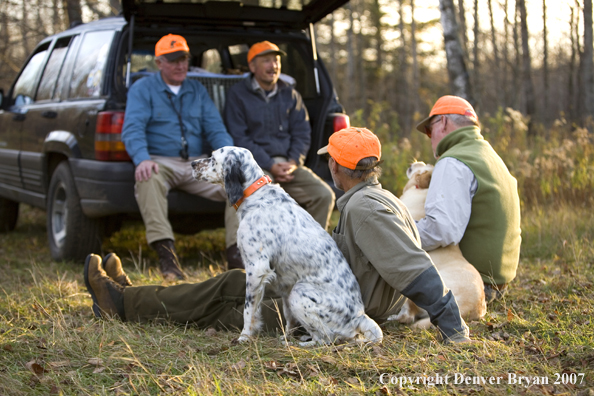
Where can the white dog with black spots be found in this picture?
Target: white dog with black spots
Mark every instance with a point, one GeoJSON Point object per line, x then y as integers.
{"type": "Point", "coordinates": [282, 245]}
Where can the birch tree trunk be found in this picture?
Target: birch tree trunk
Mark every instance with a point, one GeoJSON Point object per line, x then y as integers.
{"type": "Point", "coordinates": [572, 80]}
{"type": "Point", "coordinates": [527, 85]}
{"type": "Point", "coordinates": [24, 28]}
{"type": "Point", "coordinates": [73, 11]}
{"type": "Point", "coordinates": [497, 73]}
{"type": "Point", "coordinates": [361, 73]}
{"type": "Point", "coordinates": [463, 28]}
{"type": "Point", "coordinates": [587, 69]}
{"type": "Point", "coordinates": [56, 19]}
{"type": "Point", "coordinates": [415, 61]}
{"type": "Point", "coordinates": [476, 78]}
{"type": "Point", "coordinates": [517, 59]}
{"type": "Point", "coordinates": [350, 72]}
{"type": "Point", "coordinates": [457, 72]}
{"type": "Point", "coordinates": [545, 62]}
{"type": "Point", "coordinates": [402, 80]}
{"type": "Point", "coordinates": [504, 73]}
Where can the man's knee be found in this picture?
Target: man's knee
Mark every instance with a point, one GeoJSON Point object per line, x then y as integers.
{"type": "Point", "coordinates": [323, 193]}
{"type": "Point", "coordinates": [156, 184]}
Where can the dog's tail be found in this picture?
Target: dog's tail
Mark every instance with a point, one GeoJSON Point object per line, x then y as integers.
{"type": "Point", "coordinates": [370, 330]}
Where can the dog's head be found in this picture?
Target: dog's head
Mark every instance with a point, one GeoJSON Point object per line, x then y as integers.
{"type": "Point", "coordinates": [232, 167]}
{"type": "Point", "coordinates": [419, 175]}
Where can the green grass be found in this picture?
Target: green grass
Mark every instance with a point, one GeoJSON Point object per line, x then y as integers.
{"type": "Point", "coordinates": [50, 343]}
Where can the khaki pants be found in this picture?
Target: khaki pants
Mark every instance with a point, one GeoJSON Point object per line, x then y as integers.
{"type": "Point", "coordinates": [311, 192]}
{"type": "Point", "coordinates": [217, 302]}
{"type": "Point", "coordinates": [151, 196]}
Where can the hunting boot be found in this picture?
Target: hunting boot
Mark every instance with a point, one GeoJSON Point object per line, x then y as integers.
{"type": "Point", "coordinates": [170, 268]}
{"type": "Point", "coordinates": [113, 267]}
{"type": "Point", "coordinates": [108, 296]}
{"type": "Point", "coordinates": [234, 260]}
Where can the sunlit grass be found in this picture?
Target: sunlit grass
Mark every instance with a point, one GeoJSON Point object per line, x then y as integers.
{"type": "Point", "coordinates": [542, 327]}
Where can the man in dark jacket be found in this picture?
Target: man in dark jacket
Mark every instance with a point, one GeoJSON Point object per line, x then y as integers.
{"type": "Point", "coordinates": [268, 117]}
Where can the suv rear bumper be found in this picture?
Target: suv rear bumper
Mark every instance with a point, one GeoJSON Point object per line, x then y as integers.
{"type": "Point", "coordinates": [107, 188]}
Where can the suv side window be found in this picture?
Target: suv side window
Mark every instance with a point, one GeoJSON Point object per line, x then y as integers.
{"type": "Point", "coordinates": [24, 88]}
{"type": "Point", "coordinates": [52, 70]}
{"type": "Point", "coordinates": [87, 76]}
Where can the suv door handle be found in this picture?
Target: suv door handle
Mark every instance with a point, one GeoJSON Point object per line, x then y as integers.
{"type": "Point", "coordinates": [49, 114]}
{"type": "Point", "coordinates": [19, 117]}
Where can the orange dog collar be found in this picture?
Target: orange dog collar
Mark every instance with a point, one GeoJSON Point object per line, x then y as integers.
{"type": "Point", "coordinates": [261, 182]}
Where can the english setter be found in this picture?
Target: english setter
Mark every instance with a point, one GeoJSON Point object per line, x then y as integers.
{"type": "Point", "coordinates": [281, 244]}
{"type": "Point", "coordinates": [458, 274]}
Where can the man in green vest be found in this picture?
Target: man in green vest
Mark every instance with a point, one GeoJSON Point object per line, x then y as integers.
{"type": "Point", "coordinates": [472, 200]}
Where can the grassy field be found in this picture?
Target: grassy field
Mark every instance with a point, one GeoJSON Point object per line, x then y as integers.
{"type": "Point", "coordinates": [50, 343]}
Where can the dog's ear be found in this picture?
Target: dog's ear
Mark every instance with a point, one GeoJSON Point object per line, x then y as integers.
{"type": "Point", "coordinates": [423, 179]}
{"type": "Point", "coordinates": [234, 179]}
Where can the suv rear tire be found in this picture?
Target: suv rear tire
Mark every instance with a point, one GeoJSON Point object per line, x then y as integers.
{"type": "Point", "coordinates": [71, 234]}
{"type": "Point", "coordinates": [9, 213]}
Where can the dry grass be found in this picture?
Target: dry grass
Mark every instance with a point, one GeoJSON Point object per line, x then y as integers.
{"type": "Point", "coordinates": [50, 343]}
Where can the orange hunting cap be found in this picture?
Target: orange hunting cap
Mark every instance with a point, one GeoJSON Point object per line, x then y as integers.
{"type": "Point", "coordinates": [263, 48]}
{"type": "Point", "coordinates": [350, 145]}
{"type": "Point", "coordinates": [449, 105]}
{"type": "Point", "coordinates": [172, 47]}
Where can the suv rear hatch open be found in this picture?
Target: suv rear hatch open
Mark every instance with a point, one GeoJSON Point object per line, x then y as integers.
{"type": "Point", "coordinates": [261, 13]}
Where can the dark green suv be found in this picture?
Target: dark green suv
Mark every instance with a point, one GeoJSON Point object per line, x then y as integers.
{"type": "Point", "coordinates": [60, 122]}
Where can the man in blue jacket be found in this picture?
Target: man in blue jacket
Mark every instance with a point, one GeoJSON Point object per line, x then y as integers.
{"type": "Point", "coordinates": [268, 117]}
{"type": "Point", "coordinates": [166, 118]}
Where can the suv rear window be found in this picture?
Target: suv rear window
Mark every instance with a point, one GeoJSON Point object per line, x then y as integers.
{"type": "Point", "coordinates": [87, 75]}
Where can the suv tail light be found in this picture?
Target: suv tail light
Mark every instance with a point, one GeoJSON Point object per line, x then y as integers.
{"type": "Point", "coordinates": [341, 121]}
{"type": "Point", "coordinates": [108, 137]}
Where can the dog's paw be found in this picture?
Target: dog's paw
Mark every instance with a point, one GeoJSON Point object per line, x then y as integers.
{"type": "Point", "coordinates": [402, 317]}
{"type": "Point", "coordinates": [243, 338]}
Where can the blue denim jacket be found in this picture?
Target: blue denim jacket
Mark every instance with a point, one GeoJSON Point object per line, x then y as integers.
{"type": "Point", "coordinates": [151, 125]}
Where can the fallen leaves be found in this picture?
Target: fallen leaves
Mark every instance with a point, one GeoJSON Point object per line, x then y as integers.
{"type": "Point", "coordinates": [35, 368]}
{"type": "Point", "coordinates": [95, 361]}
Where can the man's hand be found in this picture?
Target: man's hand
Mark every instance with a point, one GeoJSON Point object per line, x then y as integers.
{"type": "Point", "coordinates": [144, 170]}
{"type": "Point", "coordinates": [282, 171]}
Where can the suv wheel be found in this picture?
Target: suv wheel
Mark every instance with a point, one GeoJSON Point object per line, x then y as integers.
{"type": "Point", "coordinates": [71, 234]}
{"type": "Point", "coordinates": [9, 212]}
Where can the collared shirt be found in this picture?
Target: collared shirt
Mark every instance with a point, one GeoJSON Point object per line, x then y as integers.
{"type": "Point", "coordinates": [448, 205]}
{"type": "Point", "coordinates": [378, 237]}
{"type": "Point", "coordinates": [266, 95]}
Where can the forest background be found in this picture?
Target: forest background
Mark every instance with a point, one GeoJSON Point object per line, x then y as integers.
{"type": "Point", "coordinates": [526, 65]}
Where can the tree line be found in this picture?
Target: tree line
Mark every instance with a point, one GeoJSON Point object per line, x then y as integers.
{"type": "Point", "coordinates": [491, 66]}
{"type": "Point", "coordinates": [380, 52]}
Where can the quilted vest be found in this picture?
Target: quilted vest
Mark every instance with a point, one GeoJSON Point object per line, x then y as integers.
{"type": "Point", "coordinates": [492, 239]}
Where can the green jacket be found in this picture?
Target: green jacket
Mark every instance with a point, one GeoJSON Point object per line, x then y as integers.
{"type": "Point", "coordinates": [492, 238]}
{"type": "Point", "coordinates": [380, 241]}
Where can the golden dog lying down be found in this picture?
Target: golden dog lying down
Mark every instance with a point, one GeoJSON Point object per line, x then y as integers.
{"type": "Point", "coordinates": [457, 273]}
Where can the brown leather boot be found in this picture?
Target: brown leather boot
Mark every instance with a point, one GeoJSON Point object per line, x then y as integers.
{"type": "Point", "coordinates": [234, 258]}
{"type": "Point", "coordinates": [170, 268]}
{"type": "Point", "coordinates": [108, 296]}
{"type": "Point", "coordinates": [113, 267]}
